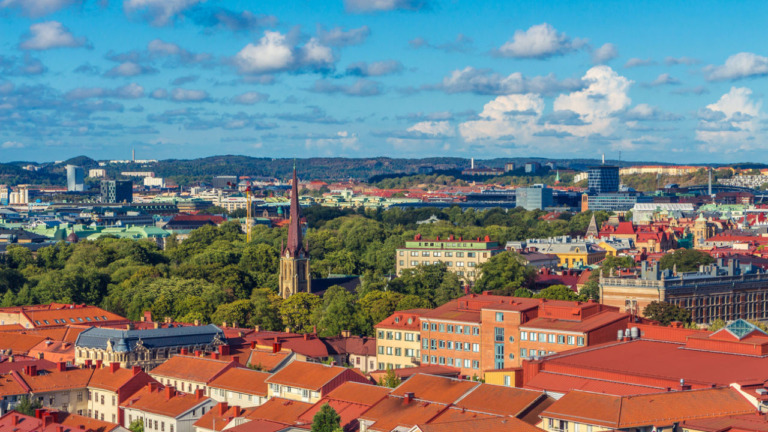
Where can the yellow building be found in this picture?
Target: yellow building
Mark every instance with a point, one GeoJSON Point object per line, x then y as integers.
{"type": "Point", "coordinates": [462, 256]}
{"type": "Point", "coordinates": [398, 344]}
{"type": "Point", "coordinates": [509, 377]}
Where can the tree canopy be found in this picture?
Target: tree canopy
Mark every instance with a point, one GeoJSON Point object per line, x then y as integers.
{"type": "Point", "coordinates": [665, 313]}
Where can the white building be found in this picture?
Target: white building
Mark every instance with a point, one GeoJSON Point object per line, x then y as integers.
{"type": "Point", "coordinates": [163, 409]}
{"type": "Point", "coordinates": [154, 182]}
{"type": "Point", "coordinates": [97, 173]}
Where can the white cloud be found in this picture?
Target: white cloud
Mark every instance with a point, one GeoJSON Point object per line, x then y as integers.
{"type": "Point", "coordinates": [337, 36]}
{"type": "Point", "coordinates": [483, 81]}
{"type": "Point", "coordinates": [184, 95]}
{"type": "Point", "coordinates": [317, 55]}
{"type": "Point", "coordinates": [273, 53]}
{"type": "Point", "coordinates": [379, 68]}
{"type": "Point", "coordinates": [732, 123]}
{"type": "Point", "coordinates": [129, 69]}
{"type": "Point", "coordinates": [160, 48]}
{"type": "Point", "coordinates": [664, 79]}
{"type": "Point", "coordinates": [38, 8]}
{"type": "Point", "coordinates": [635, 62]}
{"type": "Point", "coordinates": [250, 98]}
{"type": "Point", "coordinates": [645, 112]}
{"type": "Point", "coordinates": [540, 41]}
{"type": "Point", "coordinates": [12, 145]}
{"type": "Point", "coordinates": [513, 115]}
{"type": "Point", "coordinates": [434, 128]}
{"type": "Point", "coordinates": [158, 12]}
{"type": "Point", "coordinates": [605, 53]}
{"type": "Point", "coordinates": [738, 66]}
{"type": "Point", "coordinates": [342, 140]}
{"type": "Point", "coordinates": [128, 91]}
{"type": "Point", "coordinates": [49, 35]}
{"type": "Point", "coordinates": [365, 6]}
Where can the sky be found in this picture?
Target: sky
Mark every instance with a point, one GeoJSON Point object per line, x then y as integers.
{"type": "Point", "coordinates": [678, 82]}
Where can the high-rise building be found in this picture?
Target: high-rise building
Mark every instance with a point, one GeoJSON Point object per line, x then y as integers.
{"type": "Point", "coordinates": [536, 197]}
{"type": "Point", "coordinates": [75, 178]}
{"type": "Point", "coordinates": [603, 179]}
{"type": "Point", "coordinates": [294, 259]}
{"type": "Point", "coordinates": [116, 191]}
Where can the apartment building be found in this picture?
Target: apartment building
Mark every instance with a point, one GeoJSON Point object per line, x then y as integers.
{"type": "Point", "coordinates": [462, 256]}
{"type": "Point", "coordinates": [188, 373]}
{"type": "Point", "coordinates": [109, 387]}
{"type": "Point", "coordinates": [240, 386]}
{"type": "Point", "coordinates": [398, 340]}
{"type": "Point", "coordinates": [163, 409]}
{"type": "Point", "coordinates": [308, 382]}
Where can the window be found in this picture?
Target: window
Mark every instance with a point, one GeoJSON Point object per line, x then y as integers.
{"type": "Point", "coordinates": [471, 254]}
{"type": "Point", "coordinates": [425, 326]}
{"type": "Point", "coordinates": [523, 352]}
{"type": "Point", "coordinates": [560, 339]}
{"type": "Point", "coordinates": [389, 350]}
{"type": "Point", "coordinates": [571, 340]}
{"type": "Point", "coordinates": [533, 337]}
{"type": "Point", "coordinates": [433, 359]}
{"type": "Point", "coordinates": [434, 327]}
{"type": "Point", "coordinates": [380, 334]}
{"type": "Point", "coordinates": [409, 337]}
{"type": "Point", "coordinates": [470, 264]}
{"type": "Point", "coordinates": [476, 331]}
{"type": "Point", "coordinates": [475, 347]}
{"type": "Point", "coordinates": [409, 352]}
{"type": "Point", "coordinates": [450, 328]}
{"type": "Point", "coordinates": [499, 316]}
{"type": "Point", "coordinates": [507, 380]}
{"type": "Point", "coordinates": [424, 359]}
{"type": "Point", "coordinates": [425, 254]}
{"type": "Point", "coordinates": [424, 344]}
{"type": "Point", "coordinates": [457, 363]}
{"type": "Point", "coordinates": [398, 335]}
{"type": "Point", "coordinates": [441, 360]}
{"type": "Point", "coordinates": [400, 253]}
{"type": "Point", "coordinates": [389, 335]}
{"type": "Point", "coordinates": [79, 396]}
{"type": "Point", "coordinates": [381, 349]}
{"type": "Point", "coordinates": [542, 337]}
{"type": "Point", "coordinates": [436, 254]}
{"type": "Point", "coordinates": [441, 343]}
{"type": "Point", "coordinates": [459, 254]}
{"type": "Point", "coordinates": [467, 330]}
{"type": "Point", "coordinates": [475, 364]}
{"type": "Point", "coordinates": [398, 352]}
{"type": "Point", "coordinates": [580, 341]}
{"type": "Point", "coordinates": [523, 335]}
{"type": "Point", "coordinates": [450, 344]}
{"type": "Point", "coordinates": [414, 254]}
{"type": "Point", "coordinates": [467, 363]}
{"type": "Point", "coordinates": [442, 328]}
{"type": "Point", "coordinates": [459, 263]}
{"type": "Point", "coordinates": [499, 333]}
{"type": "Point", "coordinates": [433, 343]}
{"type": "Point", "coordinates": [402, 262]}
{"type": "Point", "coordinates": [449, 254]}
{"type": "Point", "coordinates": [466, 346]}
{"type": "Point", "coordinates": [551, 338]}
{"type": "Point", "coordinates": [511, 339]}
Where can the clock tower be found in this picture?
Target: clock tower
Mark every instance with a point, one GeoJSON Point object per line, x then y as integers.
{"type": "Point", "coordinates": [294, 259]}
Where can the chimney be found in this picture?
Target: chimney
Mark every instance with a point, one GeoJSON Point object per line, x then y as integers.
{"type": "Point", "coordinates": [61, 366]}
{"type": "Point", "coordinates": [215, 355]}
{"type": "Point", "coordinates": [153, 386]}
{"type": "Point", "coordinates": [197, 323]}
{"type": "Point", "coordinates": [136, 370]}
{"type": "Point", "coordinates": [314, 330]}
{"type": "Point", "coordinates": [31, 370]}
{"type": "Point", "coordinates": [99, 363]}
{"type": "Point", "coordinates": [184, 351]}
{"type": "Point", "coordinates": [199, 394]}
{"type": "Point", "coordinates": [306, 336]}
{"type": "Point", "coordinates": [113, 367]}
{"type": "Point", "coordinates": [157, 325]}
{"type": "Point", "coordinates": [15, 419]}
{"type": "Point", "coordinates": [253, 345]}
{"type": "Point", "coordinates": [222, 408]}
{"type": "Point", "coordinates": [147, 316]}
{"type": "Point", "coordinates": [39, 413]}
{"type": "Point", "coordinates": [257, 328]}
{"type": "Point", "coordinates": [88, 363]}
{"type": "Point", "coordinates": [277, 347]}
{"type": "Point", "coordinates": [346, 333]}
{"type": "Point", "coordinates": [224, 324]}
{"type": "Point", "coordinates": [129, 326]}
{"type": "Point", "coordinates": [198, 353]}
{"type": "Point", "coordinates": [59, 428]}
{"type": "Point", "coordinates": [407, 398]}
{"type": "Point", "coordinates": [224, 350]}
{"type": "Point", "coordinates": [47, 420]}
{"type": "Point", "coordinates": [170, 392]}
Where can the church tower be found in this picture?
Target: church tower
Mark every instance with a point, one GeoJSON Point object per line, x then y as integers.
{"type": "Point", "coordinates": [294, 259]}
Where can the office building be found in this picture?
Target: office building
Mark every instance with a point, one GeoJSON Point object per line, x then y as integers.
{"type": "Point", "coordinates": [462, 256]}
{"type": "Point", "coordinates": [116, 191]}
{"type": "Point", "coordinates": [97, 173]}
{"type": "Point", "coordinates": [603, 179]}
{"type": "Point", "coordinates": [225, 182]}
{"type": "Point", "coordinates": [75, 178]}
{"type": "Point", "coordinates": [613, 201]}
{"type": "Point", "coordinates": [536, 197]}
{"type": "Point", "coordinates": [719, 291]}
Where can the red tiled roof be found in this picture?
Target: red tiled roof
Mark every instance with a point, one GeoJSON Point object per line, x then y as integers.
{"type": "Point", "coordinates": [306, 375]}
{"type": "Point", "coordinates": [586, 325]}
{"type": "Point", "coordinates": [55, 351]}
{"type": "Point", "coordinates": [742, 423]}
{"type": "Point", "coordinates": [11, 385]}
{"type": "Point", "coordinates": [197, 369]}
{"type": "Point", "coordinates": [492, 424]}
{"type": "Point", "coordinates": [499, 400]}
{"type": "Point", "coordinates": [658, 409]}
{"type": "Point", "coordinates": [75, 422]}
{"type": "Point", "coordinates": [365, 394]}
{"type": "Point", "coordinates": [19, 343]}
{"type": "Point", "coordinates": [403, 320]}
{"type": "Point", "coordinates": [242, 380]}
{"type": "Point", "coordinates": [434, 388]}
{"type": "Point", "coordinates": [562, 383]}
{"type": "Point", "coordinates": [266, 359]}
{"type": "Point", "coordinates": [159, 402]}
{"type": "Point", "coordinates": [279, 410]}
{"type": "Point", "coordinates": [394, 412]}
{"type": "Point", "coordinates": [54, 381]}
{"type": "Point", "coordinates": [217, 420]}
{"type": "Point", "coordinates": [105, 379]}
{"type": "Point", "coordinates": [83, 315]}
{"type": "Point", "coordinates": [258, 425]}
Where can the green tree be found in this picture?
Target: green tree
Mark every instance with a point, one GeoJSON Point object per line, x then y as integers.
{"type": "Point", "coordinates": [505, 273]}
{"type": "Point", "coordinates": [266, 309]}
{"type": "Point", "coordinates": [136, 425]}
{"type": "Point", "coordinates": [685, 260]}
{"type": "Point", "coordinates": [28, 406]}
{"type": "Point", "coordinates": [716, 325]}
{"type": "Point", "coordinates": [390, 379]}
{"type": "Point", "coordinates": [326, 420]}
{"type": "Point", "coordinates": [558, 292]}
{"type": "Point", "coordinates": [239, 312]}
{"type": "Point", "coordinates": [297, 311]}
{"type": "Point", "coordinates": [665, 313]}
{"type": "Point", "coordinates": [338, 312]}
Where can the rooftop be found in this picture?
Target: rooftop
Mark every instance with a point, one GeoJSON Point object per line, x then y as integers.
{"type": "Point", "coordinates": [198, 369]}
{"type": "Point", "coordinates": [306, 375]}
{"type": "Point", "coordinates": [164, 401]}
{"type": "Point", "coordinates": [242, 380]}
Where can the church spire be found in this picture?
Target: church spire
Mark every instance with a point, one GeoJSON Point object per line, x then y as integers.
{"type": "Point", "coordinates": [592, 230]}
{"type": "Point", "coordinates": [295, 244]}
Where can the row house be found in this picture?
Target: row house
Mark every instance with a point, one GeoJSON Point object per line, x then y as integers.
{"type": "Point", "coordinates": [309, 382]}
{"type": "Point", "coordinates": [111, 386]}
{"type": "Point", "coordinates": [239, 386]}
{"type": "Point", "coordinates": [163, 409]}
{"type": "Point", "coordinates": [190, 373]}
{"type": "Point", "coordinates": [46, 420]}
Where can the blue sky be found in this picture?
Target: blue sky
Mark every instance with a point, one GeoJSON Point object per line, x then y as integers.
{"type": "Point", "coordinates": [670, 81]}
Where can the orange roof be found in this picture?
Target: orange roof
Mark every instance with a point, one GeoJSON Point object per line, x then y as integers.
{"type": "Point", "coordinates": [266, 359]}
{"type": "Point", "coordinates": [493, 424]}
{"type": "Point", "coordinates": [105, 379]}
{"type": "Point", "coordinates": [279, 410]}
{"type": "Point", "coordinates": [393, 412]}
{"type": "Point", "coordinates": [66, 333]}
{"type": "Point", "coordinates": [55, 351]}
{"type": "Point", "coordinates": [562, 383]}
{"type": "Point", "coordinates": [242, 380]}
{"type": "Point", "coordinates": [499, 400]}
{"type": "Point", "coordinates": [658, 409]}
{"type": "Point", "coordinates": [19, 343]}
{"type": "Point", "coordinates": [366, 394]}
{"type": "Point", "coordinates": [434, 388]}
{"type": "Point", "coordinates": [80, 315]}
{"type": "Point", "coordinates": [74, 422]}
{"type": "Point", "coordinates": [219, 416]}
{"type": "Point", "coordinates": [10, 385]}
{"type": "Point", "coordinates": [11, 327]}
{"type": "Point", "coordinates": [55, 381]}
{"type": "Point", "coordinates": [306, 375]}
{"type": "Point", "coordinates": [198, 369]}
{"type": "Point", "coordinates": [348, 400]}
{"type": "Point", "coordinates": [163, 401]}
{"type": "Point", "coordinates": [403, 320]}
{"type": "Point", "coordinates": [258, 425]}
{"type": "Point", "coordinates": [456, 415]}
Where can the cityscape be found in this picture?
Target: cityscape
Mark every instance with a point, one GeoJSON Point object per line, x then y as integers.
{"type": "Point", "coordinates": [383, 216]}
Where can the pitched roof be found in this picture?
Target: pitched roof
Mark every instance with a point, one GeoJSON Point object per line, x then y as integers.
{"type": "Point", "coordinates": [78, 314]}
{"type": "Point", "coordinates": [198, 369]}
{"type": "Point", "coordinates": [126, 340]}
{"type": "Point", "coordinates": [159, 402]}
{"type": "Point", "coordinates": [493, 424]}
{"type": "Point", "coordinates": [563, 383]}
{"type": "Point", "coordinates": [242, 380]}
{"type": "Point", "coordinates": [266, 359]}
{"type": "Point", "coordinates": [55, 381]}
{"type": "Point", "coordinates": [259, 425]}
{"type": "Point", "coordinates": [499, 400]}
{"type": "Point", "coordinates": [435, 388]}
{"type": "Point", "coordinates": [741, 423]}
{"type": "Point", "coordinates": [394, 412]}
{"type": "Point", "coordinates": [105, 379]}
{"type": "Point", "coordinates": [403, 320]}
{"type": "Point", "coordinates": [306, 375]}
{"type": "Point", "coordinates": [219, 416]}
{"type": "Point", "coordinates": [279, 410]}
{"type": "Point", "coordinates": [365, 394]}
{"type": "Point", "coordinates": [659, 409]}
{"type": "Point", "coordinates": [19, 343]}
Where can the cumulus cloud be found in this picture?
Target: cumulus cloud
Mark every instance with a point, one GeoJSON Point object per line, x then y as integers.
{"type": "Point", "coordinates": [12, 145]}
{"type": "Point", "coordinates": [368, 6]}
{"type": "Point", "coordinates": [664, 79]}
{"type": "Point", "coordinates": [38, 8]}
{"type": "Point", "coordinates": [738, 66]}
{"type": "Point", "coordinates": [635, 62]}
{"type": "Point", "coordinates": [159, 48]}
{"type": "Point", "coordinates": [129, 69]}
{"type": "Point", "coordinates": [250, 98]}
{"type": "Point", "coordinates": [671, 61]}
{"type": "Point", "coordinates": [379, 68]}
{"type": "Point", "coordinates": [732, 123]}
{"type": "Point", "coordinates": [184, 95]}
{"type": "Point", "coordinates": [337, 36]}
{"type": "Point", "coordinates": [433, 128]}
{"type": "Point", "coordinates": [275, 53]}
{"type": "Point", "coordinates": [361, 87]}
{"type": "Point", "coordinates": [505, 116]}
{"type": "Point", "coordinates": [21, 66]}
{"type": "Point", "coordinates": [343, 140]}
{"type": "Point", "coordinates": [540, 42]}
{"type": "Point", "coordinates": [158, 12]}
{"type": "Point", "coordinates": [605, 53]}
{"type": "Point", "coordinates": [645, 112]}
{"type": "Point", "coordinates": [483, 81]}
{"type": "Point", "coordinates": [222, 18]}
{"type": "Point", "coordinates": [462, 43]}
{"type": "Point", "coordinates": [51, 34]}
{"type": "Point", "coordinates": [129, 91]}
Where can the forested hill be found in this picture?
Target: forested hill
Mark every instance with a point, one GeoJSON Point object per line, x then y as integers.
{"type": "Point", "coordinates": [185, 172]}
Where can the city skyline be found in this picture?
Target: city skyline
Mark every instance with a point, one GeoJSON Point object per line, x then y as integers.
{"type": "Point", "coordinates": [400, 78]}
